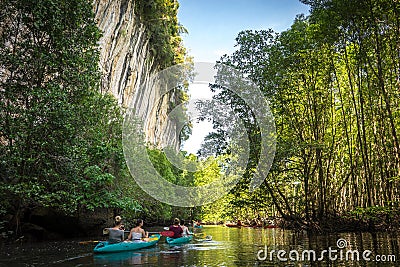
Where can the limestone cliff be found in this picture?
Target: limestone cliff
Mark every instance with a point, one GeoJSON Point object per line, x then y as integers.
{"type": "Point", "coordinates": [127, 67]}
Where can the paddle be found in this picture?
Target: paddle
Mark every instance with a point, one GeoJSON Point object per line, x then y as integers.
{"type": "Point", "coordinates": [202, 236]}
{"type": "Point", "coordinates": [164, 233]}
{"type": "Point", "coordinates": [167, 233]}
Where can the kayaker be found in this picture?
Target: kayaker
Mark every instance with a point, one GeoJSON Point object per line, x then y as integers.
{"type": "Point", "coordinates": [197, 224]}
{"type": "Point", "coordinates": [185, 229]}
{"type": "Point", "coordinates": [137, 234]}
{"type": "Point", "coordinates": [116, 234]}
{"type": "Point", "coordinates": [176, 228]}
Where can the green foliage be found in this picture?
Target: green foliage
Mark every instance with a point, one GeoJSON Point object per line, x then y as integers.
{"type": "Point", "coordinates": [162, 165]}
{"type": "Point", "coordinates": [151, 210]}
{"type": "Point", "coordinates": [94, 188]}
{"type": "Point", "coordinates": [332, 83]}
{"type": "Point", "coordinates": [60, 139]}
{"type": "Point", "coordinates": [160, 19]}
{"type": "Point", "coordinates": [331, 80]}
{"type": "Point", "coordinates": [375, 213]}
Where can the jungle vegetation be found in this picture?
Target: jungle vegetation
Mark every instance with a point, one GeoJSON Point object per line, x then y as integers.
{"type": "Point", "coordinates": [333, 83]}
{"type": "Point", "coordinates": [332, 80]}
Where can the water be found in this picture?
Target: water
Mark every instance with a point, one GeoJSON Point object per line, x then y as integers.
{"type": "Point", "coordinates": [229, 247]}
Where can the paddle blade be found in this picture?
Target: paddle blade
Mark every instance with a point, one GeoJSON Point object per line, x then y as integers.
{"type": "Point", "coordinates": [167, 233]}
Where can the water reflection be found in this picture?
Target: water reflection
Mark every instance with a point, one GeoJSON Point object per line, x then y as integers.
{"type": "Point", "coordinates": [126, 258]}
{"type": "Point", "coordinates": [350, 253]}
{"type": "Point", "coordinates": [229, 247]}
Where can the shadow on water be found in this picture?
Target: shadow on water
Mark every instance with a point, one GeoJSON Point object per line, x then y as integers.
{"type": "Point", "coordinates": [229, 247]}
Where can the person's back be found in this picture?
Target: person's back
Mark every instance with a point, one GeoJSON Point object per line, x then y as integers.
{"type": "Point", "coordinates": [137, 234]}
{"type": "Point", "coordinates": [176, 229]}
{"type": "Point", "coordinates": [115, 235]}
{"type": "Point", "coordinates": [185, 229]}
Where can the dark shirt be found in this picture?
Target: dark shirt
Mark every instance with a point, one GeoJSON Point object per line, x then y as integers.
{"type": "Point", "coordinates": [177, 231]}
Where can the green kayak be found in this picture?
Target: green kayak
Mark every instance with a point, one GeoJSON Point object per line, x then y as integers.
{"type": "Point", "coordinates": [179, 240]}
{"type": "Point", "coordinates": [105, 247]}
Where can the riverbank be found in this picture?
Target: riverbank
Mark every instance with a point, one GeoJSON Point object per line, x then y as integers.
{"type": "Point", "coordinates": [342, 224]}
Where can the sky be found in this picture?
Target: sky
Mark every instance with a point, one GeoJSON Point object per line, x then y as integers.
{"type": "Point", "coordinates": [213, 26]}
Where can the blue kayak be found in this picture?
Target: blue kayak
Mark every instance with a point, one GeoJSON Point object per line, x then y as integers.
{"type": "Point", "coordinates": [179, 240]}
{"type": "Point", "coordinates": [105, 247]}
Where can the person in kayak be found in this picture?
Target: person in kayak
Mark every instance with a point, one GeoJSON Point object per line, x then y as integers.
{"type": "Point", "coordinates": [197, 224]}
{"type": "Point", "coordinates": [176, 228]}
{"type": "Point", "coordinates": [137, 234]}
{"type": "Point", "coordinates": [185, 229]}
{"type": "Point", "coordinates": [116, 233]}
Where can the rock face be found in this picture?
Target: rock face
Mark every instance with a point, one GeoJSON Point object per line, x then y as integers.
{"type": "Point", "coordinates": [127, 69]}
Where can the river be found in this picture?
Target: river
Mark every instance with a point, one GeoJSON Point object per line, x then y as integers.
{"type": "Point", "coordinates": [229, 247]}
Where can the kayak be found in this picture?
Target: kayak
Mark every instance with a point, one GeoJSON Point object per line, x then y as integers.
{"type": "Point", "coordinates": [270, 226]}
{"type": "Point", "coordinates": [105, 247]}
{"type": "Point", "coordinates": [232, 225]}
{"type": "Point", "coordinates": [179, 240]}
{"type": "Point", "coordinates": [198, 226]}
